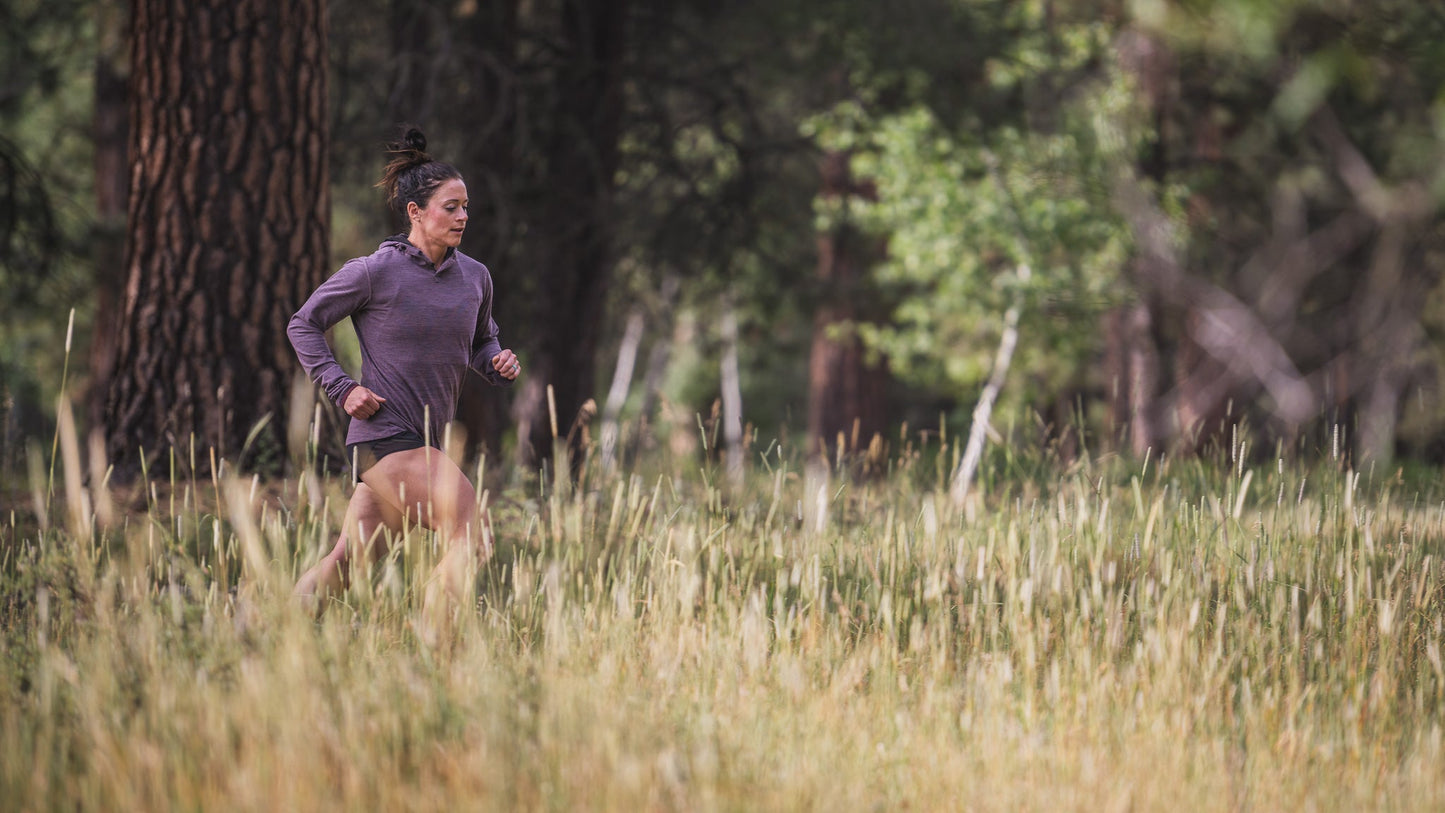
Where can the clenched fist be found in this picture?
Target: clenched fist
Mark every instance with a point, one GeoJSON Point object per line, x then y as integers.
{"type": "Point", "coordinates": [507, 365]}
{"type": "Point", "coordinates": [362, 403]}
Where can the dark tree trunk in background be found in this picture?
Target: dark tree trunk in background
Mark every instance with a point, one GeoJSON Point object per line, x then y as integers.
{"type": "Point", "coordinates": [1388, 339]}
{"type": "Point", "coordinates": [412, 27]}
{"type": "Point", "coordinates": [846, 394]}
{"type": "Point", "coordinates": [569, 240]}
{"type": "Point", "coordinates": [1205, 388]}
{"type": "Point", "coordinates": [1131, 366]}
{"type": "Point", "coordinates": [488, 161]}
{"type": "Point", "coordinates": [112, 184]}
{"type": "Point", "coordinates": [228, 223]}
{"type": "Point", "coordinates": [1146, 431]}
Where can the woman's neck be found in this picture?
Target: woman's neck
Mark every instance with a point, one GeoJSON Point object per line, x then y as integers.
{"type": "Point", "coordinates": [435, 252]}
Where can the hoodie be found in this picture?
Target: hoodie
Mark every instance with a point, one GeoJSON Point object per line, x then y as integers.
{"type": "Point", "coordinates": [420, 326]}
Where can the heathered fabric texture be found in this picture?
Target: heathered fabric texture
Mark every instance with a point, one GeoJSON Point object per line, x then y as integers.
{"type": "Point", "coordinates": [420, 327]}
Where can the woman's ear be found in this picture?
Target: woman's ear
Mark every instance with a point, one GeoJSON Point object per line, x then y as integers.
{"type": "Point", "coordinates": [413, 211]}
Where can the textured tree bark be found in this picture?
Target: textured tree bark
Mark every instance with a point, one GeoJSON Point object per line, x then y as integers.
{"type": "Point", "coordinates": [846, 394]}
{"type": "Point", "coordinates": [228, 219]}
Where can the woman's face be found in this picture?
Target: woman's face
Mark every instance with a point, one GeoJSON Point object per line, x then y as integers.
{"type": "Point", "coordinates": [444, 219]}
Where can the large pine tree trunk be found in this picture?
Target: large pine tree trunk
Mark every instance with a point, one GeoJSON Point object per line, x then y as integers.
{"type": "Point", "coordinates": [228, 223]}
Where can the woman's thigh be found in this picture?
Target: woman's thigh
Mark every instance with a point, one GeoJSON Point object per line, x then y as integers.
{"type": "Point", "coordinates": [426, 486]}
{"type": "Point", "coordinates": [369, 521]}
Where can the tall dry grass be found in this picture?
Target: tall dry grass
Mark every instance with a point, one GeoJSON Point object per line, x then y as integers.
{"type": "Point", "coordinates": [1096, 635]}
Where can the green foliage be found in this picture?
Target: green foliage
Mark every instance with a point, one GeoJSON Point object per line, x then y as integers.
{"type": "Point", "coordinates": [46, 56]}
{"type": "Point", "coordinates": [963, 214]}
{"type": "Point", "coordinates": [46, 61]}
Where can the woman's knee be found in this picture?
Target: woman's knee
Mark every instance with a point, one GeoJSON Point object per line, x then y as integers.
{"type": "Point", "coordinates": [454, 510]}
{"type": "Point", "coordinates": [368, 519]}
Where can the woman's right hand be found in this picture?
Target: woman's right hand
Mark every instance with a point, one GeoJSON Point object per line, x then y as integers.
{"type": "Point", "coordinates": [362, 403]}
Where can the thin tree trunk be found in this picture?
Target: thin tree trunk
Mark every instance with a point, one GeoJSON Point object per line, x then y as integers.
{"type": "Point", "coordinates": [228, 225]}
{"type": "Point", "coordinates": [1205, 388]}
{"type": "Point", "coordinates": [617, 393]}
{"type": "Point", "coordinates": [678, 421]}
{"type": "Point", "coordinates": [983, 411]}
{"type": "Point", "coordinates": [732, 396]}
{"type": "Point", "coordinates": [1387, 335]}
{"type": "Point", "coordinates": [1145, 433]}
{"type": "Point", "coordinates": [1379, 414]}
{"type": "Point", "coordinates": [1115, 366]}
{"type": "Point", "coordinates": [658, 358]}
{"type": "Point", "coordinates": [1131, 364]}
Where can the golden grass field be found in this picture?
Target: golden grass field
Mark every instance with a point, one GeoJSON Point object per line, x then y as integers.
{"type": "Point", "coordinates": [1101, 634]}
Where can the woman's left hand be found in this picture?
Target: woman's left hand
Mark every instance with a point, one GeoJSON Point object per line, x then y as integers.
{"type": "Point", "coordinates": [507, 365]}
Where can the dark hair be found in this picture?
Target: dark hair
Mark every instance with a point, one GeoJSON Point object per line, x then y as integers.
{"type": "Point", "coordinates": [412, 174]}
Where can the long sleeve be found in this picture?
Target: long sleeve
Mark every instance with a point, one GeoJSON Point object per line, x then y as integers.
{"type": "Point", "coordinates": [346, 292]}
{"type": "Point", "coordinates": [486, 343]}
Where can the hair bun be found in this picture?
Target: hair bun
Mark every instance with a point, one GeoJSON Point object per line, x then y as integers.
{"type": "Point", "coordinates": [411, 175]}
{"type": "Point", "coordinates": [410, 148]}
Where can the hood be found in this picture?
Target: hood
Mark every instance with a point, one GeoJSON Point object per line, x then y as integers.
{"type": "Point", "coordinates": [401, 243]}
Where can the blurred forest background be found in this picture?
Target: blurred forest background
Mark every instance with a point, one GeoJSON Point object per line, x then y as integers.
{"type": "Point", "coordinates": [817, 222]}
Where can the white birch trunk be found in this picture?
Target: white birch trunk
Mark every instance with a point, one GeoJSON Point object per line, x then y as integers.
{"type": "Point", "coordinates": [617, 393]}
{"type": "Point", "coordinates": [732, 396]}
{"type": "Point", "coordinates": [983, 411]}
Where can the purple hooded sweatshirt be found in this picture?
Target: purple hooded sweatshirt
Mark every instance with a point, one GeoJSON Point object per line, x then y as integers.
{"type": "Point", "coordinates": [420, 327]}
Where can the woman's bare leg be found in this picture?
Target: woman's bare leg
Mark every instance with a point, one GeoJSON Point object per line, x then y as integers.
{"type": "Point", "coordinates": [427, 486]}
{"type": "Point", "coordinates": [368, 520]}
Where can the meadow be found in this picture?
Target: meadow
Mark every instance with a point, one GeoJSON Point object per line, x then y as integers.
{"type": "Point", "coordinates": [1239, 632]}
